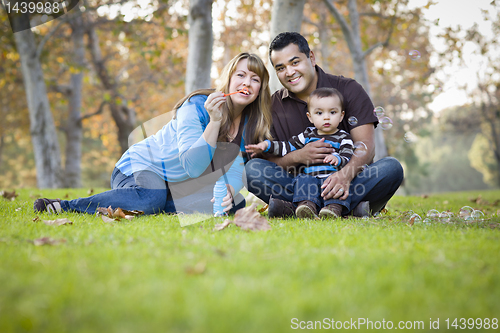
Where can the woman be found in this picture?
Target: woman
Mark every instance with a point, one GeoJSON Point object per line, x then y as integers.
{"type": "Point", "coordinates": [179, 165]}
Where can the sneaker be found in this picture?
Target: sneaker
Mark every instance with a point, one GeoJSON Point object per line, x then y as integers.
{"type": "Point", "coordinates": [362, 209]}
{"type": "Point", "coordinates": [47, 205]}
{"type": "Point", "coordinates": [306, 210]}
{"type": "Point", "coordinates": [331, 210]}
{"type": "Point", "coordinates": [280, 208]}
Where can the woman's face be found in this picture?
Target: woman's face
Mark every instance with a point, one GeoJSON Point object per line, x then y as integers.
{"type": "Point", "coordinates": [244, 78]}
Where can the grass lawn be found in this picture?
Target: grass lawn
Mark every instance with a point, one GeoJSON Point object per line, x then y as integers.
{"type": "Point", "coordinates": [151, 275]}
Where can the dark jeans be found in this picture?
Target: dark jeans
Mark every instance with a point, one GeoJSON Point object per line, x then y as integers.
{"type": "Point", "coordinates": [376, 184]}
{"type": "Point", "coordinates": [306, 187]}
{"type": "Point", "coordinates": [148, 192]}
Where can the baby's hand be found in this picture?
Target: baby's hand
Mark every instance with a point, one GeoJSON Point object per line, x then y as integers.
{"type": "Point", "coordinates": [331, 159]}
{"type": "Point", "coordinates": [256, 149]}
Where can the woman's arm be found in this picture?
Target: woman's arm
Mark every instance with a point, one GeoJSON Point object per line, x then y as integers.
{"type": "Point", "coordinates": [197, 132]}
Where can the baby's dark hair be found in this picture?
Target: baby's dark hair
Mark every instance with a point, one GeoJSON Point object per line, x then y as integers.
{"type": "Point", "coordinates": [327, 92]}
{"type": "Point", "coordinates": [284, 39]}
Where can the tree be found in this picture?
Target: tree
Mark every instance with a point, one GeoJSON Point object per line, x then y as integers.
{"type": "Point", "coordinates": [352, 36]}
{"type": "Point", "coordinates": [42, 129]}
{"type": "Point", "coordinates": [485, 152]}
{"type": "Point", "coordinates": [200, 45]}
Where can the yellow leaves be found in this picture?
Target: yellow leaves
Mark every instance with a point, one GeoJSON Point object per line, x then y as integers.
{"type": "Point", "coordinates": [60, 60]}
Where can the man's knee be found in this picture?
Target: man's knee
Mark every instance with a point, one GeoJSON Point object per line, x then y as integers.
{"type": "Point", "coordinates": [395, 168]}
{"type": "Point", "coordinates": [253, 169]}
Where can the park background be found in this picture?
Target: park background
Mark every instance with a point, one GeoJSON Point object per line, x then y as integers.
{"type": "Point", "coordinates": [108, 66]}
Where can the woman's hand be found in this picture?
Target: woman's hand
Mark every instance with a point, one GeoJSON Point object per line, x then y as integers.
{"type": "Point", "coordinates": [214, 105]}
{"type": "Point", "coordinates": [256, 149]}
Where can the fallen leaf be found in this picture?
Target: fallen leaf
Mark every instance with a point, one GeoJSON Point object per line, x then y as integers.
{"type": "Point", "coordinates": [66, 196]}
{"type": "Point", "coordinates": [107, 219]}
{"type": "Point", "coordinates": [223, 225]}
{"type": "Point", "coordinates": [197, 269]}
{"type": "Point", "coordinates": [36, 219]}
{"type": "Point", "coordinates": [133, 212]}
{"type": "Point", "coordinates": [412, 220]}
{"type": "Point", "coordinates": [57, 222]}
{"type": "Point", "coordinates": [109, 214]}
{"type": "Point", "coordinates": [263, 209]}
{"type": "Point", "coordinates": [118, 213]}
{"type": "Point", "coordinates": [90, 191]}
{"type": "Point", "coordinates": [9, 195]}
{"type": "Point", "coordinates": [48, 241]}
{"type": "Point", "coordinates": [248, 218]}
{"type": "Point", "coordinates": [424, 196]}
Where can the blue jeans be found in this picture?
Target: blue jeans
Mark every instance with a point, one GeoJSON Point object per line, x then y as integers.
{"type": "Point", "coordinates": [147, 192]}
{"type": "Point", "coordinates": [306, 187]}
{"type": "Point", "coordinates": [376, 184]}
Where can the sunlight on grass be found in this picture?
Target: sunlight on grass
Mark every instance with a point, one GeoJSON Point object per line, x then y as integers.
{"type": "Point", "coordinates": [152, 275]}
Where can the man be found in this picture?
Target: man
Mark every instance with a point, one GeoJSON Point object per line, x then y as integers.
{"type": "Point", "coordinates": [366, 189]}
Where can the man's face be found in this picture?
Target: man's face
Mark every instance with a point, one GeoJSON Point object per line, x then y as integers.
{"type": "Point", "coordinates": [326, 114]}
{"type": "Point", "coordinates": [295, 70]}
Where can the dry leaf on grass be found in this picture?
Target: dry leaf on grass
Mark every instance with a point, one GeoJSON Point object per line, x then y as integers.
{"type": "Point", "coordinates": [90, 191]}
{"type": "Point", "coordinates": [36, 219]}
{"type": "Point", "coordinates": [480, 201]}
{"type": "Point", "coordinates": [48, 241]}
{"type": "Point", "coordinates": [263, 209]}
{"type": "Point", "coordinates": [223, 225]}
{"type": "Point", "coordinates": [57, 222]}
{"type": "Point", "coordinates": [197, 269]}
{"type": "Point", "coordinates": [412, 220]}
{"type": "Point", "coordinates": [247, 218]}
{"type": "Point", "coordinates": [109, 214]}
{"type": "Point", "coordinates": [9, 195]}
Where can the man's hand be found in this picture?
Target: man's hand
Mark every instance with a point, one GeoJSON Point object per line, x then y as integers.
{"type": "Point", "coordinates": [314, 152]}
{"type": "Point", "coordinates": [331, 159]}
{"type": "Point", "coordinates": [336, 186]}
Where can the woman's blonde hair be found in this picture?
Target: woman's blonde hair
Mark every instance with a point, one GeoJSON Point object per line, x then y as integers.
{"type": "Point", "coordinates": [258, 112]}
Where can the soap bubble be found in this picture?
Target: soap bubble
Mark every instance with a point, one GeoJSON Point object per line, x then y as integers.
{"type": "Point", "coordinates": [385, 123]}
{"type": "Point", "coordinates": [379, 111]}
{"type": "Point", "coordinates": [477, 215]}
{"type": "Point", "coordinates": [465, 211]}
{"type": "Point", "coordinates": [410, 137]}
{"type": "Point", "coordinates": [415, 218]}
{"type": "Point", "coordinates": [427, 221]}
{"type": "Point", "coordinates": [353, 121]}
{"type": "Point", "coordinates": [360, 148]}
{"type": "Point", "coordinates": [433, 213]}
{"type": "Point", "coordinates": [414, 54]}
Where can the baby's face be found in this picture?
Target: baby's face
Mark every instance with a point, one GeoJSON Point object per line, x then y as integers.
{"type": "Point", "coordinates": [326, 114]}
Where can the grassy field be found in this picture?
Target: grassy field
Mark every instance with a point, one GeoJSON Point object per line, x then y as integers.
{"type": "Point", "coordinates": [151, 275]}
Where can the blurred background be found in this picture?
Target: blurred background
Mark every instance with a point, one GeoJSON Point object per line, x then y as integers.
{"type": "Point", "coordinates": [73, 89]}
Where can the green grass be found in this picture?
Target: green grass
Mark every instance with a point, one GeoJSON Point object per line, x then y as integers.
{"type": "Point", "coordinates": [152, 275]}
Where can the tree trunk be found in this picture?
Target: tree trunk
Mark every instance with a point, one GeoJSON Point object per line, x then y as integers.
{"type": "Point", "coordinates": [286, 16]}
{"type": "Point", "coordinates": [123, 115]}
{"type": "Point", "coordinates": [42, 128]}
{"type": "Point", "coordinates": [353, 39]}
{"type": "Point", "coordinates": [73, 126]}
{"type": "Point", "coordinates": [199, 61]}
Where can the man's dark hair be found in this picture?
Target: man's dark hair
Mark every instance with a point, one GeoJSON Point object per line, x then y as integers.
{"type": "Point", "coordinates": [327, 92]}
{"type": "Point", "coordinates": [284, 39]}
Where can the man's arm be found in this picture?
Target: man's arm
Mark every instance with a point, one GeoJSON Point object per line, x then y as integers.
{"type": "Point", "coordinates": [314, 152]}
{"type": "Point", "coordinates": [342, 179]}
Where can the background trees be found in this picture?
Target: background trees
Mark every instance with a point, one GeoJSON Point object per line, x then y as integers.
{"type": "Point", "coordinates": [118, 64]}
